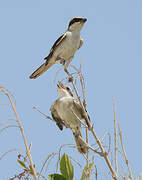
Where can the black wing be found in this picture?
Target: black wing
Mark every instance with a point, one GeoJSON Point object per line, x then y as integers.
{"type": "Point", "coordinates": [56, 117]}
{"type": "Point", "coordinates": [55, 45]}
{"type": "Point", "coordinates": [77, 105]}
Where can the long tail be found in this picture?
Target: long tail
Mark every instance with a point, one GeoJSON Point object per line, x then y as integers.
{"type": "Point", "coordinates": [81, 146]}
{"type": "Point", "coordinates": [40, 70]}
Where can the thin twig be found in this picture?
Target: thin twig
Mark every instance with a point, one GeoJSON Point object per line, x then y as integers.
{"type": "Point", "coordinates": [86, 116]}
{"type": "Point", "coordinates": [50, 161]}
{"type": "Point", "coordinates": [9, 92]}
{"type": "Point", "coordinates": [78, 119]}
{"type": "Point", "coordinates": [84, 104]}
{"type": "Point", "coordinates": [124, 154]}
{"type": "Point", "coordinates": [57, 72]}
{"type": "Point", "coordinates": [105, 155]}
{"type": "Point", "coordinates": [5, 121]}
{"type": "Point", "coordinates": [48, 117]}
{"type": "Point", "coordinates": [10, 150]}
{"type": "Point", "coordinates": [90, 127]}
{"type": "Point", "coordinates": [88, 170]}
{"type": "Point", "coordinates": [59, 157]}
{"type": "Point", "coordinates": [96, 172]}
{"type": "Point", "coordinates": [115, 136]}
{"type": "Point", "coordinates": [45, 161]}
{"type": "Point", "coordinates": [76, 162]}
{"type": "Point", "coordinates": [9, 126]}
{"type": "Point", "coordinates": [22, 132]}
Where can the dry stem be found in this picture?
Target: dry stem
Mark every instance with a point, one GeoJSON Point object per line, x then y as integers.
{"type": "Point", "coordinates": [115, 137]}
{"type": "Point", "coordinates": [22, 132]}
{"type": "Point", "coordinates": [124, 154]}
{"type": "Point", "coordinates": [90, 127]}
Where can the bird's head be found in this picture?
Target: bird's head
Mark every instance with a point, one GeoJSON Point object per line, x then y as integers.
{"type": "Point", "coordinates": [64, 90]}
{"type": "Point", "coordinates": [76, 23]}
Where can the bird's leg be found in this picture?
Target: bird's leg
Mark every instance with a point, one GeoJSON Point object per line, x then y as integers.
{"type": "Point", "coordinates": [66, 64]}
{"type": "Point", "coordinates": [69, 75]}
{"type": "Point", "coordinates": [62, 60]}
{"type": "Point", "coordinates": [66, 70]}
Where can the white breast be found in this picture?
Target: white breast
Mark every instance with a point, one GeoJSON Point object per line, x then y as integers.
{"type": "Point", "coordinates": [69, 46]}
{"type": "Point", "coordinates": [65, 110]}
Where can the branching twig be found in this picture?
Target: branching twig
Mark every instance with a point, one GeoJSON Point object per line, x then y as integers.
{"type": "Point", "coordinates": [90, 127]}
{"type": "Point", "coordinates": [22, 132]}
{"type": "Point", "coordinates": [11, 150]}
{"type": "Point", "coordinates": [124, 154]}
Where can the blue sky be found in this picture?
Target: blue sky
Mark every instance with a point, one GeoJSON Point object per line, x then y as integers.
{"type": "Point", "coordinates": [112, 66]}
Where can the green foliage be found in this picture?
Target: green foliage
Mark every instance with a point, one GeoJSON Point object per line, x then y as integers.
{"type": "Point", "coordinates": [22, 163]}
{"type": "Point", "coordinates": [85, 171]}
{"type": "Point", "coordinates": [66, 167]}
{"type": "Point", "coordinates": [67, 170]}
{"type": "Point", "coordinates": [56, 177]}
{"type": "Point", "coordinates": [27, 169]}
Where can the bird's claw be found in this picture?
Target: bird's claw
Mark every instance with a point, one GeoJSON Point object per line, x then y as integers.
{"type": "Point", "coordinates": [70, 79]}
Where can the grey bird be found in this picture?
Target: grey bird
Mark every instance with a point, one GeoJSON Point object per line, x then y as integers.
{"type": "Point", "coordinates": [64, 47]}
{"type": "Point", "coordinates": [66, 111]}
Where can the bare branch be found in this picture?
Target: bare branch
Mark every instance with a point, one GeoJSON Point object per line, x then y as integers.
{"type": "Point", "coordinates": [59, 157]}
{"type": "Point", "coordinates": [22, 131]}
{"type": "Point", "coordinates": [124, 154]}
{"type": "Point", "coordinates": [5, 121]}
{"type": "Point", "coordinates": [10, 150]}
{"type": "Point", "coordinates": [76, 162]}
{"type": "Point", "coordinates": [45, 161]}
{"type": "Point", "coordinates": [88, 170]}
{"type": "Point", "coordinates": [8, 92]}
{"type": "Point", "coordinates": [57, 72]}
{"type": "Point", "coordinates": [115, 136]}
{"type": "Point", "coordinates": [48, 117]}
{"type": "Point", "coordinates": [90, 127]}
{"type": "Point", "coordinates": [9, 126]}
{"type": "Point", "coordinates": [96, 172]}
{"type": "Point", "coordinates": [79, 119]}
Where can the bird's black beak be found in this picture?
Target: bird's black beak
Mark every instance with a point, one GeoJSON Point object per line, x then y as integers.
{"type": "Point", "coordinates": [84, 20]}
{"type": "Point", "coordinates": [60, 85]}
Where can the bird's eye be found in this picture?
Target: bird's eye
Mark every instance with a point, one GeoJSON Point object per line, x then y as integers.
{"type": "Point", "coordinates": [67, 88]}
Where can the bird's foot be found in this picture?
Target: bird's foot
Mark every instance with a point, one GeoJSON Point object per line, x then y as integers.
{"type": "Point", "coordinates": [70, 78]}
{"type": "Point", "coordinates": [61, 60]}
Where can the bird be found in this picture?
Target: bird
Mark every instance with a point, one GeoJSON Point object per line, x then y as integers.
{"type": "Point", "coordinates": [66, 111]}
{"type": "Point", "coordinates": [64, 48]}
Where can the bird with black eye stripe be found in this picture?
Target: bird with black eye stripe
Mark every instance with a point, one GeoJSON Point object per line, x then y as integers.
{"type": "Point", "coordinates": [66, 111]}
{"type": "Point", "coordinates": [64, 48]}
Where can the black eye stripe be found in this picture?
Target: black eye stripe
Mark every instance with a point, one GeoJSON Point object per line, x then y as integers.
{"type": "Point", "coordinates": [69, 90]}
{"type": "Point", "coordinates": [75, 20]}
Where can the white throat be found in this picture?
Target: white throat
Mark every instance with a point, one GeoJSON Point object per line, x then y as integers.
{"type": "Point", "coordinates": [63, 93]}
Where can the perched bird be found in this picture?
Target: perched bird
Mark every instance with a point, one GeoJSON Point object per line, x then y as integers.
{"type": "Point", "coordinates": [64, 47]}
{"type": "Point", "coordinates": [66, 111]}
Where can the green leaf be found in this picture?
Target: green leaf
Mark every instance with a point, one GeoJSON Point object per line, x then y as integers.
{"type": "Point", "coordinates": [22, 163]}
{"type": "Point", "coordinates": [56, 177]}
{"type": "Point", "coordinates": [31, 170]}
{"type": "Point", "coordinates": [85, 171]}
{"type": "Point", "coordinates": [66, 167]}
